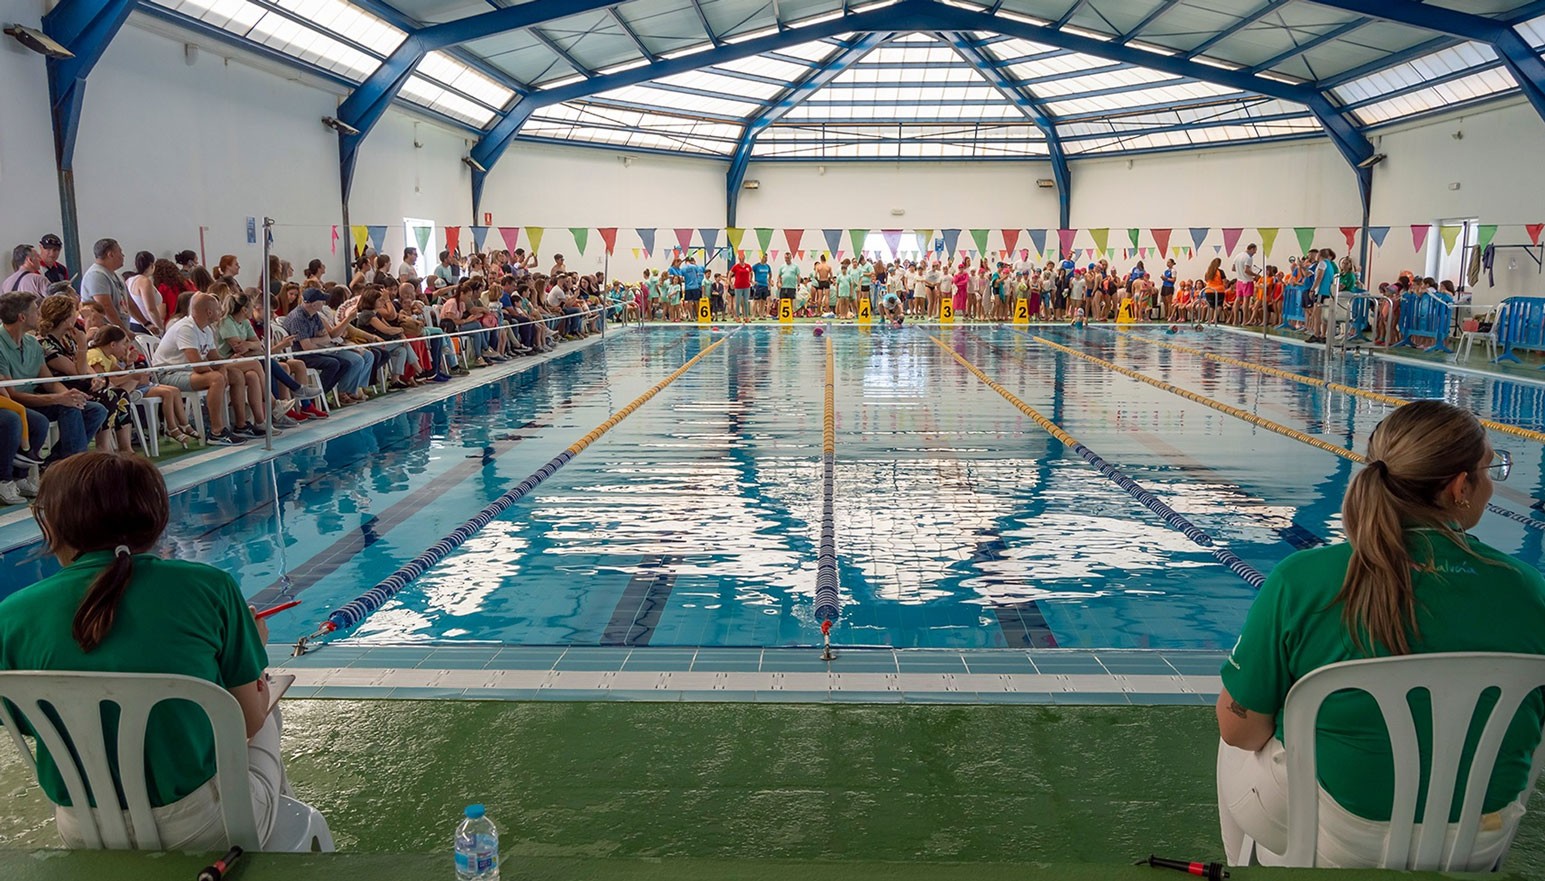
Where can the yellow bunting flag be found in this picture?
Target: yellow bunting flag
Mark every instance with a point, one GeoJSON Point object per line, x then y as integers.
{"type": "Point", "coordinates": [361, 236]}
{"type": "Point", "coordinates": [534, 236]}
{"type": "Point", "coordinates": [1450, 235]}
{"type": "Point", "coordinates": [1268, 238]}
{"type": "Point", "coordinates": [1101, 237]}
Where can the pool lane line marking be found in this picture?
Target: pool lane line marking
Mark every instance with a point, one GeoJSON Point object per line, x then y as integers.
{"type": "Point", "coordinates": [827, 601]}
{"type": "Point", "coordinates": [1247, 416]}
{"type": "Point", "coordinates": [1391, 400]}
{"type": "Point", "coordinates": [642, 602]}
{"type": "Point", "coordinates": [1294, 534]}
{"type": "Point", "coordinates": [1170, 516]}
{"type": "Point", "coordinates": [307, 573]}
{"type": "Point", "coordinates": [356, 610]}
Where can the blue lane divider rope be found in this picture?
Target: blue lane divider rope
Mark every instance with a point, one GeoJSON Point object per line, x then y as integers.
{"type": "Point", "coordinates": [353, 612]}
{"type": "Point", "coordinates": [1170, 516]}
{"type": "Point", "coordinates": [826, 594]}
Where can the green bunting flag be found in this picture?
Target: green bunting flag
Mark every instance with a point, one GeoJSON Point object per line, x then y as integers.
{"type": "Point", "coordinates": [980, 237]}
{"type": "Point", "coordinates": [581, 238]}
{"type": "Point", "coordinates": [1487, 233]}
{"type": "Point", "coordinates": [421, 233]}
{"type": "Point", "coordinates": [763, 238]}
{"type": "Point", "coordinates": [1305, 238]}
{"type": "Point", "coordinates": [858, 237]}
{"type": "Point", "coordinates": [1132, 234]}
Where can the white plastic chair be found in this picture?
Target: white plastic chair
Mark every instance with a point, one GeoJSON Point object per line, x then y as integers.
{"type": "Point", "coordinates": [1455, 682]}
{"type": "Point", "coordinates": [1467, 341]}
{"type": "Point", "coordinates": [77, 699]}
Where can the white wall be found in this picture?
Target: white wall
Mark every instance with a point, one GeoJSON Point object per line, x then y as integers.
{"type": "Point", "coordinates": [29, 188]}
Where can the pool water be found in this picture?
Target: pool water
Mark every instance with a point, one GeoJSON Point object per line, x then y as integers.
{"type": "Point", "coordinates": [694, 522]}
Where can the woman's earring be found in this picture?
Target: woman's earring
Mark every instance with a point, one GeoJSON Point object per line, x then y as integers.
{"type": "Point", "coordinates": [1465, 504]}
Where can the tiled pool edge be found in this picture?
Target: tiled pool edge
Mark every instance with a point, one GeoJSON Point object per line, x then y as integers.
{"type": "Point", "coordinates": [775, 675]}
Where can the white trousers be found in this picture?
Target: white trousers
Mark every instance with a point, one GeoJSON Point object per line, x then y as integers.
{"type": "Point", "coordinates": [194, 822]}
{"type": "Point", "coordinates": [1252, 804]}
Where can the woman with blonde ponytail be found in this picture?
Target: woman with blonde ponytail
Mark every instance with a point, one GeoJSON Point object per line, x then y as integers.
{"type": "Point", "coordinates": [1408, 580]}
{"type": "Point", "coordinates": [116, 606]}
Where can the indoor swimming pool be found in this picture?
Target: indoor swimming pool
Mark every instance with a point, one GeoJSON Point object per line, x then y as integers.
{"type": "Point", "coordinates": [959, 522]}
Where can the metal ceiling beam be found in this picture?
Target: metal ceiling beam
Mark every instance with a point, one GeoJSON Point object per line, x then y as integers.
{"type": "Point", "coordinates": [368, 103]}
{"type": "Point", "coordinates": [638, 42]}
{"type": "Point", "coordinates": [1270, 7]}
{"type": "Point", "coordinates": [1311, 44]}
{"type": "Point", "coordinates": [1436, 44]}
{"type": "Point", "coordinates": [702, 18]}
{"type": "Point", "coordinates": [1068, 16]}
{"type": "Point", "coordinates": [1517, 55]}
{"type": "Point", "coordinates": [924, 15]}
{"type": "Point", "coordinates": [1035, 111]}
{"type": "Point", "coordinates": [86, 28]}
{"type": "Point", "coordinates": [1137, 29]}
{"type": "Point", "coordinates": [812, 82]}
{"type": "Point", "coordinates": [568, 58]}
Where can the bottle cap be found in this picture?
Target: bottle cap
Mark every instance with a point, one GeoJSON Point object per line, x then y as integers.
{"type": "Point", "coordinates": [474, 812]}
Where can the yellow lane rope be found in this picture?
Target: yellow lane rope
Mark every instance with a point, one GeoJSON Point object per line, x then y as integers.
{"type": "Point", "coordinates": [578, 446]}
{"type": "Point", "coordinates": [1267, 424]}
{"type": "Point", "coordinates": [1391, 400]}
{"type": "Point", "coordinates": [1205, 401]}
{"type": "Point", "coordinates": [829, 429]}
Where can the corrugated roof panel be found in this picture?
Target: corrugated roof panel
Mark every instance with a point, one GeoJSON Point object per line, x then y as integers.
{"type": "Point", "coordinates": [1469, 88]}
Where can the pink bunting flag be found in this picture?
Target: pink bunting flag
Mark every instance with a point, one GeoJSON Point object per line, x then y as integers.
{"type": "Point", "coordinates": [1161, 238]}
{"type": "Point", "coordinates": [511, 235]}
{"type": "Point", "coordinates": [684, 239]}
{"type": "Point", "coordinates": [1231, 236]}
{"type": "Point", "coordinates": [1065, 238]}
{"type": "Point", "coordinates": [1419, 233]}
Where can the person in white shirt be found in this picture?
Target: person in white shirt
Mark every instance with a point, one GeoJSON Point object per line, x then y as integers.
{"type": "Point", "coordinates": [408, 271]}
{"type": "Point", "coordinates": [189, 342]}
{"type": "Point", "coordinates": [1246, 277]}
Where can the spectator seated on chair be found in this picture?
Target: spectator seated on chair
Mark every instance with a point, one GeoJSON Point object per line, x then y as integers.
{"type": "Point", "coordinates": [189, 343]}
{"type": "Point", "coordinates": [26, 273]}
{"type": "Point", "coordinates": [116, 607]}
{"type": "Point", "coordinates": [1408, 580]}
{"type": "Point", "coordinates": [22, 357]}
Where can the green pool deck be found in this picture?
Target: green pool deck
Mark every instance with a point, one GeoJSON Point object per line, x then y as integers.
{"type": "Point", "coordinates": [638, 790]}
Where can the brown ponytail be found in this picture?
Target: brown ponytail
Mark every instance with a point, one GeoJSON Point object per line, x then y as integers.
{"type": "Point", "coordinates": [1415, 452]}
{"type": "Point", "coordinates": [102, 502]}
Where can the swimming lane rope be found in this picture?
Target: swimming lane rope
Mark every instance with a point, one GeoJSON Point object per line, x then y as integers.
{"type": "Point", "coordinates": [1505, 428]}
{"type": "Point", "coordinates": [1170, 516]}
{"type": "Point", "coordinates": [353, 612]}
{"type": "Point", "coordinates": [826, 602]}
{"type": "Point", "coordinates": [1267, 424]}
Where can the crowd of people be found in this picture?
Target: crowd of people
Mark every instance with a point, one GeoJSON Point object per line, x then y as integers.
{"type": "Point", "coordinates": [79, 353]}
{"type": "Point", "coordinates": [1247, 292]}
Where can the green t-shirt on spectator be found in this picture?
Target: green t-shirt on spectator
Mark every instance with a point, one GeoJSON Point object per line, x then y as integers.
{"type": "Point", "coordinates": [788, 276]}
{"type": "Point", "coordinates": [231, 329]}
{"type": "Point", "coordinates": [175, 617]}
{"type": "Point", "coordinates": [1466, 601]}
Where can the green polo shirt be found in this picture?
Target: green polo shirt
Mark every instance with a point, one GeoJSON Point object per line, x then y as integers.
{"type": "Point", "coordinates": [1472, 600]}
{"type": "Point", "coordinates": [175, 617]}
{"type": "Point", "coordinates": [20, 361]}
{"type": "Point", "coordinates": [788, 275]}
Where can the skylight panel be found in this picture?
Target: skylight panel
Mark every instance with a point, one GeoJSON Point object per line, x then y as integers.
{"type": "Point", "coordinates": [812, 51]}
{"type": "Point", "coordinates": [764, 66]}
{"type": "Point", "coordinates": [348, 21]}
{"type": "Point", "coordinates": [461, 77]}
{"type": "Point", "coordinates": [1477, 85]}
{"type": "Point", "coordinates": [1533, 30]}
{"type": "Point", "coordinates": [708, 81]}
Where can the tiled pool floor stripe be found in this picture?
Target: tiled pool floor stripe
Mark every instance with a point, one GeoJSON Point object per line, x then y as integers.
{"type": "Point", "coordinates": [642, 601]}
{"type": "Point", "coordinates": [751, 675]}
{"type": "Point", "coordinates": [340, 552]}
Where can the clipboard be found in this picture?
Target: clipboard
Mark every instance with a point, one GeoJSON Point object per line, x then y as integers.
{"type": "Point", "coordinates": [277, 686]}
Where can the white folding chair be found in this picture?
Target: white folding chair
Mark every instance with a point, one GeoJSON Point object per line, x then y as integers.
{"type": "Point", "coordinates": [1455, 681]}
{"type": "Point", "coordinates": [77, 701]}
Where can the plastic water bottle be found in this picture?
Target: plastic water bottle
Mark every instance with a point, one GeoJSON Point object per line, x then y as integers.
{"type": "Point", "coordinates": [477, 847]}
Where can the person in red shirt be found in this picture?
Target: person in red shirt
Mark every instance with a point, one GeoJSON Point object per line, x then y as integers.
{"type": "Point", "coordinates": [740, 277]}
